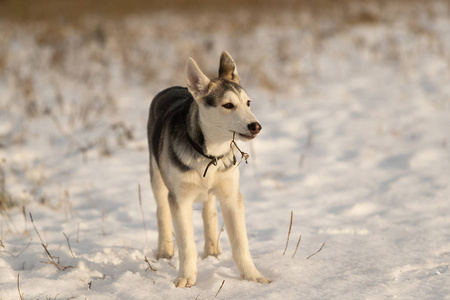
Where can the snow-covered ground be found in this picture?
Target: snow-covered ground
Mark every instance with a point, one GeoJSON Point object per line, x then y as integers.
{"type": "Point", "coordinates": [355, 142]}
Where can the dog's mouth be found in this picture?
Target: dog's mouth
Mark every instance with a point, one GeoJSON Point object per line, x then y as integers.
{"type": "Point", "coordinates": [247, 136]}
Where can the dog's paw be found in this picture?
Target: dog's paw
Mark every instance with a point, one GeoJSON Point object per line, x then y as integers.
{"type": "Point", "coordinates": [263, 279]}
{"type": "Point", "coordinates": [258, 278]}
{"type": "Point", "coordinates": [165, 251]}
{"type": "Point", "coordinates": [185, 282]}
{"type": "Point", "coordinates": [164, 256]}
{"type": "Point", "coordinates": [211, 250]}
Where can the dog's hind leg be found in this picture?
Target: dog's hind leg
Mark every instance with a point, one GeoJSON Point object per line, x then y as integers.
{"type": "Point", "coordinates": [210, 225]}
{"type": "Point", "coordinates": [160, 192]}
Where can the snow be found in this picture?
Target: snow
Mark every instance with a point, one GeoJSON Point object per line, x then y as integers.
{"type": "Point", "coordinates": [355, 142]}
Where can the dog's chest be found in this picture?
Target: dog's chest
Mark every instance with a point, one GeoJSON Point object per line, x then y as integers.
{"type": "Point", "coordinates": [193, 183]}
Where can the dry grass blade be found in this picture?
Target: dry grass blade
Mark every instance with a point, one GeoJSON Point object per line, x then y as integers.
{"type": "Point", "coordinates": [289, 232]}
{"type": "Point", "coordinates": [103, 221]}
{"type": "Point", "coordinates": [68, 243]}
{"type": "Point", "coordinates": [296, 247]}
{"type": "Point", "coordinates": [25, 231]}
{"type": "Point", "coordinates": [149, 265]}
{"type": "Point", "coordinates": [254, 167]}
{"type": "Point", "coordinates": [219, 288]}
{"type": "Point", "coordinates": [60, 267]}
{"type": "Point", "coordinates": [11, 254]}
{"type": "Point", "coordinates": [3, 246]}
{"type": "Point", "coordinates": [307, 147]}
{"type": "Point", "coordinates": [5, 197]}
{"type": "Point", "coordinates": [142, 213]}
{"type": "Point", "coordinates": [32, 222]}
{"type": "Point", "coordinates": [170, 264]}
{"type": "Point", "coordinates": [49, 256]}
{"type": "Point", "coordinates": [317, 251]}
{"type": "Point", "coordinates": [23, 250]}
{"type": "Point", "coordinates": [18, 287]}
{"type": "Point", "coordinates": [218, 236]}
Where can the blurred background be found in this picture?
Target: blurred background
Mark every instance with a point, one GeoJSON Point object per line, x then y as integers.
{"type": "Point", "coordinates": [76, 77]}
{"type": "Point", "coordinates": [354, 100]}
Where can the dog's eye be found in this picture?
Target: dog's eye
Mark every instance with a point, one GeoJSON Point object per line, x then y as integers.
{"type": "Point", "coordinates": [248, 103]}
{"type": "Point", "coordinates": [228, 105]}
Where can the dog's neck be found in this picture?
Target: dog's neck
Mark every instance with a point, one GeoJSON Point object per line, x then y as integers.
{"type": "Point", "coordinates": [208, 138]}
{"type": "Point", "coordinates": [216, 146]}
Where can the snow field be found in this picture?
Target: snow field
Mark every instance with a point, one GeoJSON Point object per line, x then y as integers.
{"type": "Point", "coordinates": [354, 142]}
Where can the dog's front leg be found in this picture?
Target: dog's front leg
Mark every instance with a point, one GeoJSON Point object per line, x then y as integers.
{"type": "Point", "coordinates": [210, 225]}
{"type": "Point", "coordinates": [181, 210]}
{"type": "Point", "coordinates": [234, 216]}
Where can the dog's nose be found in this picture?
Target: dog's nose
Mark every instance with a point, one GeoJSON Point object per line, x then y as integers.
{"type": "Point", "coordinates": [254, 127]}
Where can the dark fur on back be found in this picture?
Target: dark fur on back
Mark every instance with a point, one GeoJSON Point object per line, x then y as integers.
{"type": "Point", "coordinates": [169, 111]}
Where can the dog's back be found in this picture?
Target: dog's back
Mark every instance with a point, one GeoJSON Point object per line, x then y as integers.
{"type": "Point", "coordinates": [169, 108]}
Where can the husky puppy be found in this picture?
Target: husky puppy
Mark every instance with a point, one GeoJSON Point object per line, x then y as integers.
{"type": "Point", "coordinates": [192, 159]}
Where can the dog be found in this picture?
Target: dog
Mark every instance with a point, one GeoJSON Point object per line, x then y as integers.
{"type": "Point", "coordinates": [190, 131]}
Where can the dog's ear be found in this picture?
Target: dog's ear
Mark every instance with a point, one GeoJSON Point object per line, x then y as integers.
{"type": "Point", "coordinates": [197, 82]}
{"type": "Point", "coordinates": [227, 68]}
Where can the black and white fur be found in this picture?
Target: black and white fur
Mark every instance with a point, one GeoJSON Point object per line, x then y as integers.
{"type": "Point", "coordinates": [189, 135]}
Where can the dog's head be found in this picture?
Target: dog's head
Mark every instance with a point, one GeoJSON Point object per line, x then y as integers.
{"type": "Point", "coordinates": [223, 103]}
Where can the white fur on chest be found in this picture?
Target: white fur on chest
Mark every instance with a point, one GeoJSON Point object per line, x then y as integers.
{"type": "Point", "coordinates": [193, 186]}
